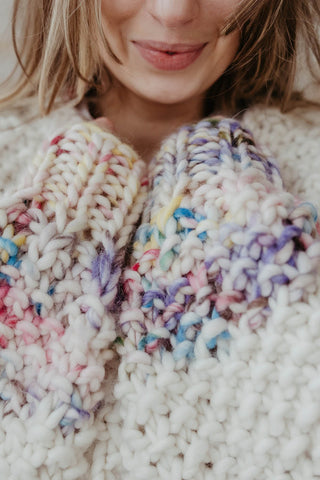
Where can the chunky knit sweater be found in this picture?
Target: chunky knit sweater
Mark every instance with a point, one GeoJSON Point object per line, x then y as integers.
{"type": "Point", "coordinates": [161, 324]}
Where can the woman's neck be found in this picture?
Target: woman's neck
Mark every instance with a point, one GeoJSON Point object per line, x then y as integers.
{"type": "Point", "coordinates": [143, 123]}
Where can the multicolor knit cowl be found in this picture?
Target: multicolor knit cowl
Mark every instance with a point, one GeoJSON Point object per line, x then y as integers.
{"type": "Point", "coordinates": [221, 274]}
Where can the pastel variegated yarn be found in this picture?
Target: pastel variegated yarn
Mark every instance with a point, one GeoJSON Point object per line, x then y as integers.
{"type": "Point", "coordinates": [219, 237]}
{"type": "Point", "coordinates": [235, 394]}
{"type": "Point", "coordinates": [62, 242]}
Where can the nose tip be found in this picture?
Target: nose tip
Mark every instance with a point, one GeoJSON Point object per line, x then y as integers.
{"type": "Point", "coordinates": [173, 13]}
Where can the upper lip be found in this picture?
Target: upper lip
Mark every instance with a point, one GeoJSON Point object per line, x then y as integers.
{"type": "Point", "coordinates": [170, 47]}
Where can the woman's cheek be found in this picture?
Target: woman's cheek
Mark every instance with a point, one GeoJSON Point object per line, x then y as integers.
{"type": "Point", "coordinates": [220, 11]}
{"type": "Point", "coordinates": [117, 11]}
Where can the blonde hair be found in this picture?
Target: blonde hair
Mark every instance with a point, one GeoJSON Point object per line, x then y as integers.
{"type": "Point", "coordinates": [58, 55]}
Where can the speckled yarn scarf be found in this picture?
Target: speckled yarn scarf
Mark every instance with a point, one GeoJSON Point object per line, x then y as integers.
{"type": "Point", "coordinates": [215, 320]}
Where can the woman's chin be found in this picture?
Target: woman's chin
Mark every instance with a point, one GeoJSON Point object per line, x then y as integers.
{"type": "Point", "coordinates": [169, 93]}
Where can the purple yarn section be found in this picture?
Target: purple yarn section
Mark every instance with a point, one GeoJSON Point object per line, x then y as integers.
{"type": "Point", "coordinates": [106, 270]}
{"type": "Point", "coordinates": [219, 245]}
{"type": "Point", "coordinates": [62, 245]}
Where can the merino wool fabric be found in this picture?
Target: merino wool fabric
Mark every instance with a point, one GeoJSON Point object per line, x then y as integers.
{"type": "Point", "coordinates": [191, 352]}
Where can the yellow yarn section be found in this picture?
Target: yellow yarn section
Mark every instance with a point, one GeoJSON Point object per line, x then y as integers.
{"type": "Point", "coordinates": [19, 240]}
{"type": "Point", "coordinates": [4, 256]}
{"type": "Point", "coordinates": [116, 151]}
{"type": "Point", "coordinates": [86, 135]}
{"type": "Point", "coordinates": [205, 225]}
{"type": "Point", "coordinates": [151, 244]}
{"type": "Point", "coordinates": [165, 213]}
{"type": "Point", "coordinates": [59, 187]}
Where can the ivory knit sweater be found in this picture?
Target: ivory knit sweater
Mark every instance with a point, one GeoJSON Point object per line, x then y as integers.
{"type": "Point", "coordinates": [118, 395]}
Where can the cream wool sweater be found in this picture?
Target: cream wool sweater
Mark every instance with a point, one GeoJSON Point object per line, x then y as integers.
{"type": "Point", "coordinates": [253, 414]}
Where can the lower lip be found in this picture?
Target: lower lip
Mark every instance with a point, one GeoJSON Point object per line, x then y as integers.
{"type": "Point", "coordinates": [164, 61]}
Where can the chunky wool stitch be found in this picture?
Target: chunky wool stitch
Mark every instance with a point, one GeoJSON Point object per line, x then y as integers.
{"type": "Point", "coordinates": [219, 375]}
{"type": "Point", "coordinates": [233, 395]}
{"type": "Point", "coordinates": [219, 237]}
{"type": "Point", "coordinates": [63, 237]}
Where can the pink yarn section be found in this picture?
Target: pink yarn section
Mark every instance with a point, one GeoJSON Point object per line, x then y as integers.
{"type": "Point", "coordinates": [62, 240]}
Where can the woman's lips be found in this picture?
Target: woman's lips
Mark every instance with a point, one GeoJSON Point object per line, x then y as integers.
{"type": "Point", "coordinates": [166, 56]}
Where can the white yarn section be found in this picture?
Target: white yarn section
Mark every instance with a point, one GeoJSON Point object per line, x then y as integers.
{"type": "Point", "coordinates": [253, 415]}
{"type": "Point", "coordinates": [21, 135]}
{"type": "Point", "coordinates": [294, 140]}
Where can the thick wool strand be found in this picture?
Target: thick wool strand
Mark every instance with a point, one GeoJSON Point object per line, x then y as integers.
{"type": "Point", "coordinates": [219, 237]}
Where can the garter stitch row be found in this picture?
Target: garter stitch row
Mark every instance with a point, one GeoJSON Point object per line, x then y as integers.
{"type": "Point", "coordinates": [61, 247]}
{"type": "Point", "coordinates": [219, 237]}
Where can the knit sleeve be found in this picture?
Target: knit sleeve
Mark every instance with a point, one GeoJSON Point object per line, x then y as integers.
{"type": "Point", "coordinates": [219, 371]}
{"type": "Point", "coordinates": [220, 238]}
{"type": "Point", "coordinates": [62, 244]}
